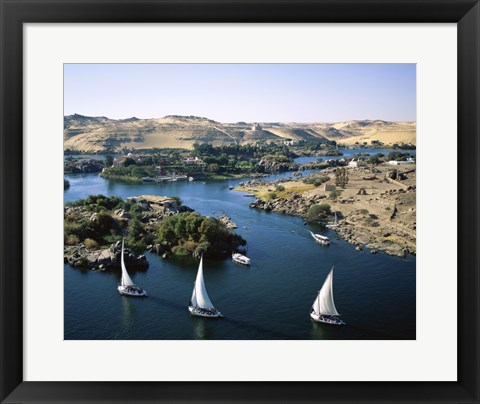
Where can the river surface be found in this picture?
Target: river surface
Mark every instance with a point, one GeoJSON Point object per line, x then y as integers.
{"type": "Point", "coordinates": [271, 299]}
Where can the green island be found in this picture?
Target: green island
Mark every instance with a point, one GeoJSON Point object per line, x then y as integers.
{"type": "Point", "coordinates": [94, 227]}
{"type": "Point", "coordinates": [206, 162]}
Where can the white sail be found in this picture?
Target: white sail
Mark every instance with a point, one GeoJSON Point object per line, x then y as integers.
{"type": "Point", "coordinates": [200, 293]}
{"type": "Point", "coordinates": [316, 305]}
{"type": "Point", "coordinates": [324, 304]}
{"type": "Point", "coordinates": [126, 281]}
{"type": "Point", "coordinates": [193, 300]}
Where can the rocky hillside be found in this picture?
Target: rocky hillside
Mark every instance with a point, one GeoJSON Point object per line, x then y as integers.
{"type": "Point", "coordinates": [101, 134]}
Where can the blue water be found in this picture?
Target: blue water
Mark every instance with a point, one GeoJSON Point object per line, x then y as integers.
{"type": "Point", "coordinates": [271, 299]}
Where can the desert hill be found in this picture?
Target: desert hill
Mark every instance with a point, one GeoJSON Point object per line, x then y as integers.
{"type": "Point", "coordinates": [100, 134]}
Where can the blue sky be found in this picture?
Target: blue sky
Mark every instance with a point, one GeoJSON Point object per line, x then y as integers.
{"type": "Point", "coordinates": [243, 92]}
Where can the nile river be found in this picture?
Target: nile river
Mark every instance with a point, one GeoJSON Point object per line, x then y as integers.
{"type": "Point", "coordinates": [271, 299]}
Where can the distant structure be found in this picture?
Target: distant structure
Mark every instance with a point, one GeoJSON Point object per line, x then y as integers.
{"type": "Point", "coordinates": [328, 187]}
{"type": "Point", "coordinates": [357, 163]}
{"type": "Point", "coordinates": [291, 142]}
{"type": "Point", "coordinates": [193, 160]}
{"type": "Point", "coordinates": [256, 126]}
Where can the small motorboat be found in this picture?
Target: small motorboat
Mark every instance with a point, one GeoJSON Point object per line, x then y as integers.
{"type": "Point", "coordinates": [324, 240]}
{"type": "Point", "coordinates": [240, 259]}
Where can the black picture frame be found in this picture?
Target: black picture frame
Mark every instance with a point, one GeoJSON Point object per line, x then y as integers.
{"type": "Point", "coordinates": [465, 13]}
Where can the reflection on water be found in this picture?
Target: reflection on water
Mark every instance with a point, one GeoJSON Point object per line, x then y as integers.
{"type": "Point", "coordinates": [128, 313]}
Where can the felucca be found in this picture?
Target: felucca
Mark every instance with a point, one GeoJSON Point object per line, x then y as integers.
{"type": "Point", "coordinates": [323, 308]}
{"type": "Point", "coordinates": [127, 287]}
{"type": "Point", "coordinates": [200, 304]}
{"type": "Point", "coordinates": [335, 222]}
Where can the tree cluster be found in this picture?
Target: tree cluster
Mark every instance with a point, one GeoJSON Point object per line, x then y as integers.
{"type": "Point", "coordinates": [191, 233]}
{"type": "Point", "coordinates": [341, 177]}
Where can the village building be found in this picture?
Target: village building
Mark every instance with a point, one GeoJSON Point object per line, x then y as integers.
{"type": "Point", "coordinates": [193, 160]}
{"type": "Point", "coordinates": [291, 142]}
{"type": "Point", "coordinates": [119, 161]}
{"type": "Point", "coordinates": [355, 163]}
{"type": "Point", "coordinates": [256, 126]}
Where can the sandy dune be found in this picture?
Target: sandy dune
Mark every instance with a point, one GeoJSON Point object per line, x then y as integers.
{"type": "Point", "coordinates": [99, 134]}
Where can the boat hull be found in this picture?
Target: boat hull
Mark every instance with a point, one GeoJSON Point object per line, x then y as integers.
{"type": "Point", "coordinates": [194, 311]}
{"type": "Point", "coordinates": [332, 320]}
{"type": "Point", "coordinates": [323, 240]}
{"type": "Point", "coordinates": [241, 259]}
{"type": "Point", "coordinates": [137, 292]}
{"type": "Point", "coordinates": [241, 262]}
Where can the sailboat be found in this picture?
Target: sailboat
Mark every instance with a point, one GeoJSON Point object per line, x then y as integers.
{"type": "Point", "coordinates": [127, 287]}
{"type": "Point", "coordinates": [323, 308]}
{"type": "Point", "coordinates": [335, 222]}
{"type": "Point", "coordinates": [200, 304]}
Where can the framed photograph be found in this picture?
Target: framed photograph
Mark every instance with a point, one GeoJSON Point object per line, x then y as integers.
{"type": "Point", "coordinates": [239, 218]}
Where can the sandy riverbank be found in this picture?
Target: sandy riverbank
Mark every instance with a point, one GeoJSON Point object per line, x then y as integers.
{"type": "Point", "coordinates": [374, 211]}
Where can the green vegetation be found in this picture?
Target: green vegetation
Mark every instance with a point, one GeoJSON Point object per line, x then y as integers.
{"type": "Point", "coordinates": [334, 194]}
{"type": "Point", "coordinates": [341, 177]}
{"type": "Point", "coordinates": [376, 159]}
{"type": "Point", "coordinates": [316, 180]}
{"type": "Point", "coordinates": [235, 159]}
{"type": "Point", "coordinates": [95, 222]}
{"type": "Point", "coordinates": [318, 212]}
{"type": "Point", "coordinates": [190, 233]}
{"type": "Point", "coordinates": [130, 173]}
{"type": "Point", "coordinates": [90, 244]}
{"type": "Point", "coordinates": [398, 156]}
{"type": "Point", "coordinates": [99, 221]}
{"type": "Point", "coordinates": [205, 161]}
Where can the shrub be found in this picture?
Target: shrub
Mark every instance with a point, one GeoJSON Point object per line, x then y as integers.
{"type": "Point", "coordinates": [90, 244]}
{"type": "Point", "coordinates": [334, 194]}
{"type": "Point", "coordinates": [317, 180]}
{"type": "Point", "coordinates": [325, 207]}
{"type": "Point", "coordinates": [279, 188]}
{"type": "Point", "coordinates": [72, 239]}
{"type": "Point", "coordinates": [363, 211]}
{"type": "Point", "coordinates": [318, 212]}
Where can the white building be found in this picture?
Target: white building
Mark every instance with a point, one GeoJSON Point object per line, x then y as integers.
{"type": "Point", "coordinates": [291, 142]}
{"type": "Point", "coordinates": [357, 163]}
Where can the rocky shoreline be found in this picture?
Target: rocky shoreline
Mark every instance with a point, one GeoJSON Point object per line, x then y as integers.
{"type": "Point", "coordinates": [374, 213]}
{"type": "Point", "coordinates": [107, 259]}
